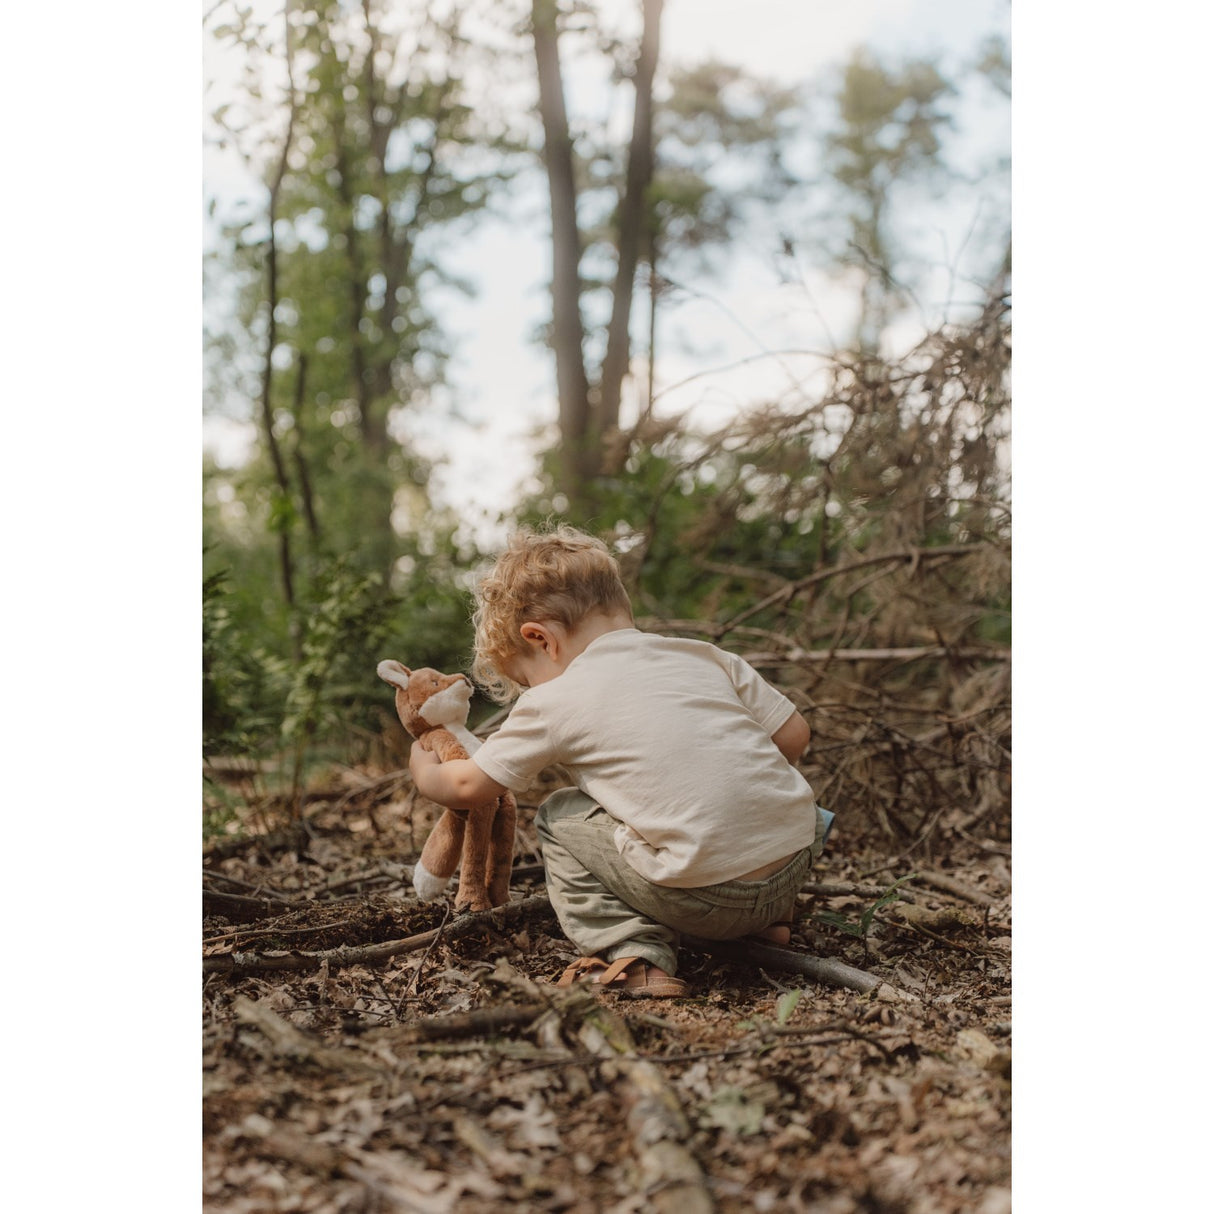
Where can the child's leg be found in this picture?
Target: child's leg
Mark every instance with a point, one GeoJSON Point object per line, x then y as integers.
{"type": "Point", "coordinates": [586, 877]}
{"type": "Point", "coordinates": [607, 908]}
{"type": "Point", "coordinates": [779, 930]}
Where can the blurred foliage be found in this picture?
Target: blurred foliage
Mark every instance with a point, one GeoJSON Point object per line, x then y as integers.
{"type": "Point", "coordinates": [273, 678]}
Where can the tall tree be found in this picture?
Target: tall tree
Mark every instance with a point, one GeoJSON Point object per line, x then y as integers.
{"type": "Point", "coordinates": [282, 481]}
{"type": "Point", "coordinates": [568, 334]}
{"type": "Point", "coordinates": [632, 220]}
{"type": "Point", "coordinates": [667, 197]}
{"type": "Point", "coordinates": [383, 144]}
{"type": "Point", "coordinates": [587, 411]}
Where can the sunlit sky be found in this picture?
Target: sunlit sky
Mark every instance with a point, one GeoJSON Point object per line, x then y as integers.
{"type": "Point", "coordinates": [482, 431]}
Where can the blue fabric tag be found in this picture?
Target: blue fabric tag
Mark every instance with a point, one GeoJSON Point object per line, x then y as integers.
{"type": "Point", "coordinates": [829, 818]}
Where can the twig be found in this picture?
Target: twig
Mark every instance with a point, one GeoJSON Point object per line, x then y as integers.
{"type": "Point", "coordinates": [289, 1041]}
{"type": "Point", "coordinates": [212, 875]}
{"type": "Point", "coordinates": [766, 1041]}
{"type": "Point", "coordinates": [242, 903]}
{"type": "Point", "coordinates": [411, 985]}
{"type": "Point", "coordinates": [285, 838]}
{"type": "Point", "coordinates": [262, 932]}
{"type": "Point", "coordinates": [939, 939]}
{"type": "Point", "coordinates": [950, 885]}
{"type": "Point", "coordinates": [380, 874]}
{"type": "Point", "coordinates": [399, 778]}
{"type": "Point", "coordinates": [847, 890]}
{"type": "Point", "coordinates": [797, 657]}
{"type": "Point", "coordinates": [914, 555]}
{"type": "Point", "coordinates": [837, 1026]}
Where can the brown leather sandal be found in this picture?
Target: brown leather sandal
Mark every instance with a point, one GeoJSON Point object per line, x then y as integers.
{"type": "Point", "coordinates": [631, 976]}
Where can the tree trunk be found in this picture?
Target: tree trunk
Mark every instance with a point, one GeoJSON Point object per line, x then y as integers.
{"type": "Point", "coordinates": [374, 432]}
{"type": "Point", "coordinates": [631, 223]}
{"type": "Point", "coordinates": [301, 465]}
{"type": "Point", "coordinates": [280, 521]}
{"type": "Point", "coordinates": [573, 390]}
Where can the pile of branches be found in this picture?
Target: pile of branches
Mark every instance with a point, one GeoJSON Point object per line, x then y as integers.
{"type": "Point", "coordinates": [881, 601]}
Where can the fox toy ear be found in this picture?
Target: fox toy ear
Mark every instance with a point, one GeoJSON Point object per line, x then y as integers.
{"type": "Point", "coordinates": [394, 672]}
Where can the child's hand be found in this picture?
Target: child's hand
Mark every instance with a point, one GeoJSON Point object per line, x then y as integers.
{"type": "Point", "coordinates": [457, 784]}
{"type": "Point", "coordinates": [421, 761]}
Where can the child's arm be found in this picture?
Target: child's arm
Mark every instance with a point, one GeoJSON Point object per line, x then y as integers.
{"type": "Point", "coordinates": [792, 737]}
{"type": "Point", "coordinates": [458, 784]}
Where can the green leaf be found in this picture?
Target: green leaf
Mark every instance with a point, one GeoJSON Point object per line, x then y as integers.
{"type": "Point", "coordinates": [839, 922]}
{"type": "Point", "coordinates": [786, 1004]}
{"type": "Point", "coordinates": [886, 898]}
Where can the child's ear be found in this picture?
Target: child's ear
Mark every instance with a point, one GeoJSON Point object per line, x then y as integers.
{"type": "Point", "coordinates": [536, 635]}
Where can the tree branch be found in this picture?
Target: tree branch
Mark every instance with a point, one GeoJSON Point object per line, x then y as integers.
{"type": "Point", "coordinates": [914, 555]}
{"type": "Point", "coordinates": [820, 969]}
{"type": "Point", "coordinates": [372, 954]}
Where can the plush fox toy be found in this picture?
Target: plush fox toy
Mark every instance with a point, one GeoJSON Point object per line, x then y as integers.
{"type": "Point", "coordinates": [433, 708]}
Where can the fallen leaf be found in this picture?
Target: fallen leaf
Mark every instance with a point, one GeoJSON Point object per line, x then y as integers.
{"type": "Point", "coordinates": [732, 1109]}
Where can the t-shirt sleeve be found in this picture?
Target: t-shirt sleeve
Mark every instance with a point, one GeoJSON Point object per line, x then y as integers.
{"type": "Point", "coordinates": [519, 751]}
{"type": "Point", "coordinates": [769, 707]}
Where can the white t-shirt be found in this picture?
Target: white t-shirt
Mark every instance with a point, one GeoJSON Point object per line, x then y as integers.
{"type": "Point", "coordinates": [674, 738]}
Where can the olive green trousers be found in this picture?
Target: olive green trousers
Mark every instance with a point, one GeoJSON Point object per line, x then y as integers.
{"type": "Point", "coordinates": [609, 910]}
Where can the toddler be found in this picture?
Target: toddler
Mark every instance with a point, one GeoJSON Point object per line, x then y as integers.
{"type": "Point", "coordinates": [687, 815]}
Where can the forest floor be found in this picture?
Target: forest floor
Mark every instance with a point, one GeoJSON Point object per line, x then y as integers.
{"type": "Point", "coordinates": [447, 1073]}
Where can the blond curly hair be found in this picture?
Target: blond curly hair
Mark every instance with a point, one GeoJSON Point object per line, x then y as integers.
{"type": "Point", "coordinates": [554, 575]}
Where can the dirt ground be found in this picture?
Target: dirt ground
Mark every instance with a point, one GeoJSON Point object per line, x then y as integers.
{"type": "Point", "coordinates": [448, 1074]}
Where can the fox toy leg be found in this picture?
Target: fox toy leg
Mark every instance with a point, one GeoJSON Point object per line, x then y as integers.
{"type": "Point", "coordinates": [440, 857]}
{"type": "Point", "coordinates": [474, 861]}
{"type": "Point", "coordinates": [502, 850]}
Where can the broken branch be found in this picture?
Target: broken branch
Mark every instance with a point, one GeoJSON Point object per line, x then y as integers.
{"type": "Point", "coordinates": [820, 969]}
{"type": "Point", "coordinates": [372, 954]}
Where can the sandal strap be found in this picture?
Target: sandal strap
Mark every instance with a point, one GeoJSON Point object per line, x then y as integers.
{"type": "Point", "coordinates": [585, 966]}
{"type": "Point", "coordinates": [617, 971]}
{"type": "Point", "coordinates": [580, 969]}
